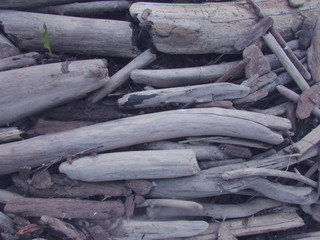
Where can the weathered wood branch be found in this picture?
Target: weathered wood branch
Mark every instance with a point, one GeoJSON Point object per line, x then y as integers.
{"type": "Point", "coordinates": [190, 94]}
{"type": "Point", "coordinates": [132, 165]}
{"type": "Point", "coordinates": [5, 196]}
{"type": "Point", "coordinates": [203, 151]}
{"type": "Point", "coordinates": [6, 224]}
{"type": "Point", "coordinates": [307, 142]}
{"type": "Point", "coordinates": [65, 208]}
{"type": "Point", "coordinates": [257, 225]}
{"type": "Point", "coordinates": [10, 134]}
{"type": "Point", "coordinates": [216, 211]}
{"type": "Point", "coordinates": [267, 173]}
{"type": "Point", "coordinates": [210, 27]}
{"type": "Point", "coordinates": [171, 203]}
{"type": "Point", "coordinates": [45, 86]}
{"type": "Point", "coordinates": [62, 187]}
{"type": "Point", "coordinates": [314, 53]}
{"type": "Point", "coordinates": [86, 8]}
{"type": "Point", "coordinates": [136, 230]}
{"type": "Point", "coordinates": [122, 75]}
{"type": "Point", "coordinates": [193, 75]}
{"type": "Point", "coordinates": [141, 129]}
{"type": "Point", "coordinates": [19, 61]}
{"type": "Point", "coordinates": [93, 36]}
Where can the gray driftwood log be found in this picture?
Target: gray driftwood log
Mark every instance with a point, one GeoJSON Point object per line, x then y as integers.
{"type": "Point", "coordinates": [132, 165]}
{"type": "Point", "coordinates": [29, 90]}
{"type": "Point", "coordinates": [85, 9]}
{"type": "Point", "coordinates": [21, 4]}
{"type": "Point", "coordinates": [141, 129]}
{"type": "Point", "coordinates": [190, 94]}
{"type": "Point", "coordinates": [69, 34]}
{"type": "Point", "coordinates": [10, 134]}
{"type": "Point", "coordinates": [211, 27]}
{"type": "Point", "coordinates": [136, 230]}
{"type": "Point", "coordinates": [7, 49]}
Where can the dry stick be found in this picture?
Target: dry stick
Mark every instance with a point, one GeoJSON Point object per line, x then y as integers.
{"type": "Point", "coordinates": [233, 71]}
{"type": "Point", "coordinates": [267, 173]}
{"type": "Point", "coordinates": [121, 76]}
{"type": "Point", "coordinates": [308, 141]}
{"type": "Point", "coordinates": [65, 228]}
{"type": "Point", "coordinates": [295, 97]}
{"type": "Point", "coordinates": [216, 211]}
{"type": "Point", "coordinates": [282, 43]}
{"type": "Point", "coordinates": [296, 62]}
{"type": "Point", "coordinates": [24, 60]}
{"type": "Point", "coordinates": [288, 65]}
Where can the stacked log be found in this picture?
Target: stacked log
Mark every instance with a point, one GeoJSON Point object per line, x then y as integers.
{"type": "Point", "coordinates": [214, 151]}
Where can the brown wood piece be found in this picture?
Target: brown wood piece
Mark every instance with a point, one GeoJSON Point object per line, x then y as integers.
{"type": "Point", "coordinates": [308, 100]}
{"type": "Point", "coordinates": [254, 33]}
{"type": "Point", "coordinates": [236, 151]}
{"type": "Point", "coordinates": [234, 71]}
{"type": "Point", "coordinates": [65, 208]}
{"type": "Point", "coordinates": [141, 187]}
{"type": "Point", "coordinates": [306, 32]}
{"type": "Point", "coordinates": [314, 53]}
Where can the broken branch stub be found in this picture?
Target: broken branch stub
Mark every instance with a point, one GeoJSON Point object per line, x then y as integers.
{"type": "Point", "coordinates": [141, 129]}
{"type": "Point", "coordinates": [132, 165]}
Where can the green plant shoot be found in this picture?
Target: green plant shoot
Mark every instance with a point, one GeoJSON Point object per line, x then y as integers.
{"type": "Point", "coordinates": [45, 38]}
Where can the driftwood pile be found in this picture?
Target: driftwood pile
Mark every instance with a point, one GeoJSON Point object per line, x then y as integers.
{"type": "Point", "coordinates": [219, 150]}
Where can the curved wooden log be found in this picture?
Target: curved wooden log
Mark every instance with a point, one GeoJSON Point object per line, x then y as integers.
{"type": "Point", "coordinates": [132, 165]}
{"type": "Point", "coordinates": [141, 129]}
{"type": "Point", "coordinates": [211, 27]}
{"type": "Point", "coordinates": [194, 75]}
{"type": "Point", "coordinates": [33, 89]}
{"type": "Point", "coordinates": [92, 36]}
{"type": "Point", "coordinates": [21, 4]}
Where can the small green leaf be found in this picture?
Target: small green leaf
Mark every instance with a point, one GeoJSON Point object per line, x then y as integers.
{"type": "Point", "coordinates": [45, 38]}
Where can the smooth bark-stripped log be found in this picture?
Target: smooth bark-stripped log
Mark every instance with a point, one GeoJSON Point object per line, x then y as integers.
{"type": "Point", "coordinates": [194, 75]}
{"type": "Point", "coordinates": [141, 129]}
{"type": "Point", "coordinates": [210, 27]}
{"type": "Point", "coordinates": [45, 86]}
{"type": "Point", "coordinates": [85, 9]}
{"type": "Point", "coordinates": [19, 61]}
{"type": "Point", "coordinates": [10, 134]}
{"type": "Point", "coordinates": [203, 152]}
{"type": "Point", "coordinates": [132, 165]}
{"type": "Point", "coordinates": [60, 188]}
{"type": "Point", "coordinates": [256, 225]}
{"type": "Point", "coordinates": [65, 208]}
{"type": "Point", "coordinates": [307, 142]}
{"type": "Point", "coordinates": [190, 94]}
{"type": "Point", "coordinates": [137, 230]}
{"type": "Point", "coordinates": [216, 211]}
{"type": "Point", "coordinates": [21, 4]}
{"type": "Point", "coordinates": [93, 36]}
{"type": "Point", "coordinates": [285, 61]}
{"type": "Point", "coordinates": [123, 74]}
{"type": "Point", "coordinates": [7, 49]}
{"type": "Point", "coordinates": [65, 228]}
